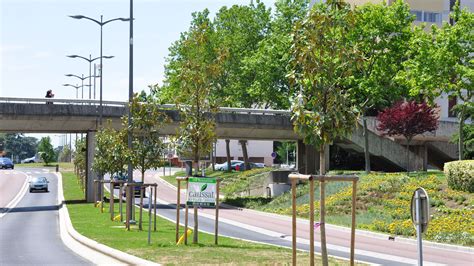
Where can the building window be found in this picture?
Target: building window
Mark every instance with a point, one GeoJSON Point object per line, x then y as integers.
{"type": "Point", "coordinates": [418, 15]}
{"type": "Point", "coordinates": [432, 17]}
{"type": "Point", "coordinates": [423, 16]}
{"type": "Point", "coordinates": [452, 101]}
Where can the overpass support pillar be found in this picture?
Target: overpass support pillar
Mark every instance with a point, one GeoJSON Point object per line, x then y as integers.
{"type": "Point", "coordinates": [90, 175]}
{"type": "Point", "coordinates": [307, 159]}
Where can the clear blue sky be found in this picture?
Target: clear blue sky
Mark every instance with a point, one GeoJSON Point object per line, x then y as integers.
{"type": "Point", "coordinates": [36, 36]}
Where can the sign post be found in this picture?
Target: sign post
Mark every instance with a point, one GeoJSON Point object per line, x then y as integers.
{"type": "Point", "coordinates": [420, 217]}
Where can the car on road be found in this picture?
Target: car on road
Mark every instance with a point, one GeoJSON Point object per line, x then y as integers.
{"type": "Point", "coordinates": [30, 160]}
{"type": "Point", "coordinates": [223, 166]}
{"type": "Point", "coordinates": [6, 163]}
{"type": "Point", "coordinates": [119, 177]}
{"type": "Point", "coordinates": [39, 183]}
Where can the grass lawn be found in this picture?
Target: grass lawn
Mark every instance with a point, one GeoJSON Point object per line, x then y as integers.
{"type": "Point", "coordinates": [383, 205]}
{"type": "Point", "coordinates": [62, 165]}
{"type": "Point", "coordinates": [88, 221]}
{"type": "Point", "coordinates": [232, 182]}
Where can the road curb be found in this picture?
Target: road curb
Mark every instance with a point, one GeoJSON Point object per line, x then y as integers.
{"type": "Point", "coordinates": [101, 248]}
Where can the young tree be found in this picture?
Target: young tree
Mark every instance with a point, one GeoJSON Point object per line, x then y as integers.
{"type": "Point", "coordinates": [407, 119]}
{"type": "Point", "coordinates": [442, 61]}
{"type": "Point", "coordinates": [381, 33]}
{"type": "Point", "coordinates": [324, 59]}
{"type": "Point", "coordinates": [146, 123]}
{"type": "Point", "coordinates": [112, 154]}
{"type": "Point", "coordinates": [79, 156]}
{"type": "Point", "coordinates": [46, 149]}
{"type": "Point", "coordinates": [199, 66]}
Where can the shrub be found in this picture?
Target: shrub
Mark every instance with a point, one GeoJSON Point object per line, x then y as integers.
{"type": "Point", "coordinates": [460, 175]}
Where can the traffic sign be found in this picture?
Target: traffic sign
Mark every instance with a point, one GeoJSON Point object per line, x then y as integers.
{"type": "Point", "coordinates": [424, 208]}
{"type": "Point", "coordinates": [274, 155]}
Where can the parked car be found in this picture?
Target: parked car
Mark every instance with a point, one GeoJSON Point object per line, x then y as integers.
{"type": "Point", "coordinates": [29, 160]}
{"type": "Point", "coordinates": [6, 163]}
{"type": "Point", "coordinates": [39, 183]}
{"type": "Point", "coordinates": [223, 166]}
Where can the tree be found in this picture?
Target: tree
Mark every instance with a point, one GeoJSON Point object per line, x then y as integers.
{"type": "Point", "coordinates": [199, 64]}
{"type": "Point", "coordinates": [442, 61]}
{"type": "Point", "coordinates": [407, 119]}
{"type": "Point", "coordinates": [146, 123]}
{"type": "Point", "coordinates": [112, 154]}
{"type": "Point", "coordinates": [80, 160]}
{"type": "Point", "coordinates": [286, 151]}
{"type": "Point", "coordinates": [46, 149]}
{"type": "Point", "coordinates": [267, 63]}
{"type": "Point", "coordinates": [18, 146]}
{"type": "Point", "coordinates": [381, 32]}
{"type": "Point", "coordinates": [65, 154]}
{"type": "Point", "coordinates": [324, 59]}
{"type": "Point", "coordinates": [468, 133]}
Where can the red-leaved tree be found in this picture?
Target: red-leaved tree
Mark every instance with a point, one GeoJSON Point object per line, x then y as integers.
{"type": "Point", "coordinates": [407, 119]}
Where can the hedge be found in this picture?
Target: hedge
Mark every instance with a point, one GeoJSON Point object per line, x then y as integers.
{"type": "Point", "coordinates": [460, 175]}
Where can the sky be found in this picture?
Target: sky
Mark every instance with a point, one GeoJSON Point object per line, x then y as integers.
{"type": "Point", "coordinates": [36, 36]}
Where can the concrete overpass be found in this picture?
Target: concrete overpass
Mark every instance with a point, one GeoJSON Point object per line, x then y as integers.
{"type": "Point", "coordinates": [81, 116]}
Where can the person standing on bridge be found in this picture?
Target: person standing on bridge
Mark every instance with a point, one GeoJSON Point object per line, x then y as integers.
{"type": "Point", "coordinates": [49, 94]}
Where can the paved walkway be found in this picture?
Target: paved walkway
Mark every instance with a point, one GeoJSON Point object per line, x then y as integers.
{"type": "Point", "coordinates": [367, 244]}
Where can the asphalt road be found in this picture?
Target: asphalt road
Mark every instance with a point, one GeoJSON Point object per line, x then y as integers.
{"type": "Point", "coordinates": [29, 232]}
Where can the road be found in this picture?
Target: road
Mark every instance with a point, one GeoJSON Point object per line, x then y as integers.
{"type": "Point", "coordinates": [276, 230]}
{"type": "Point", "coordinates": [29, 232]}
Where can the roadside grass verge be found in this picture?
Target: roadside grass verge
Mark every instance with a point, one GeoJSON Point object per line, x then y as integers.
{"type": "Point", "coordinates": [90, 222]}
{"type": "Point", "coordinates": [62, 165]}
{"type": "Point", "coordinates": [232, 182]}
{"type": "Point", "coordinates": [383, 205]}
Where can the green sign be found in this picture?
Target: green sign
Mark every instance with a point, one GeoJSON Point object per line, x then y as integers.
{"type": "Point", "coordinates": [201, 192]}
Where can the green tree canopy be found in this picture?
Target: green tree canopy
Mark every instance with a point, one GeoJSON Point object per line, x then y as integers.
{"type": "Point", "coordinates": [199, 64]}
{"type": "Point", "coordinates": [442, 61]}
{"type": "Point", "coordinates": [147, 121]}
{"type": "Point", "coordinates": [46, 149]}
{"type": "Point", "coordinates": [381, 34]}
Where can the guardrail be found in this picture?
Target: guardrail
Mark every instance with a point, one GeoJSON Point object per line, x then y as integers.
{"type": "Point", "coordinates": [124, 104]}
{"type": "Point", "coordinates": [61, 101]}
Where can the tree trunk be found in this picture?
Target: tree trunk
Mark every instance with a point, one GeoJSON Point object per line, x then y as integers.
{"type": "Point", "coordinates": [408, 154]}
{"type": "Point", "coordinates": [366, 145]}
{"type": "Point", "coordinates": [143, 175]}
{"type": "Point", "coordinates": [227, 150]}
{"type": "Point", "coordinates": [322, 205]}
{"type": "Point", "coordinates": [213, 157]}
{"type": "Point", "coordinates": [461, 135]}
{"type": "Point", "coordinates": [243, 143]}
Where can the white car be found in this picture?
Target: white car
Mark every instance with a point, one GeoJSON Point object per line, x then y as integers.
{"type": "Point", "coordinates": [39, 183]}
{"type": "Point", "coordinates": [29, 160]}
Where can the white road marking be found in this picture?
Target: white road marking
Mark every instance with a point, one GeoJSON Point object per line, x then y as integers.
{"type": "Point", "coordinates": [18, 196]}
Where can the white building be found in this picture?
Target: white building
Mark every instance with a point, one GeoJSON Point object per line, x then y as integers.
{"type": "Point", "coordinates": [259, 151]}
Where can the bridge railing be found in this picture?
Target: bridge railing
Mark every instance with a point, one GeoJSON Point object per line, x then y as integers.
{"type": "Point", "coordinates": [61, 101]}
{"type": "Point", "coordinates": [123, 104]}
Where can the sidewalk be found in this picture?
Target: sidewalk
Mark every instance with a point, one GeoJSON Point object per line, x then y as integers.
{"type": "Point", "coordinates": [337, 238]}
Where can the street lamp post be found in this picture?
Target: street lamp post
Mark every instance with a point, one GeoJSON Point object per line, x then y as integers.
{"type": "Point", "coordinates": [101, 24]}
{"type": "Point", "coordinates": [90, 60]}
{"type": "Point", "coordinates": [82, 78]}
{"type": "Point", "coordinates": [74, 86]}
